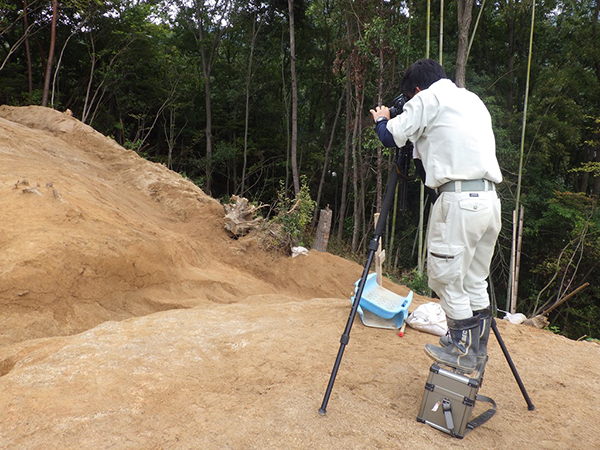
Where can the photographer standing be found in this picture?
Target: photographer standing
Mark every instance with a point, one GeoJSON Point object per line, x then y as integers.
{"type": "Point", "coordinates": [452, 134]}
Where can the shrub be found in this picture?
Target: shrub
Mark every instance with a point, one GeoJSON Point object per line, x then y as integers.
{"type": "Point", "coordinates": [288, 228]}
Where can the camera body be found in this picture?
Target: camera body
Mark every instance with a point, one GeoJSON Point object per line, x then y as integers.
{"type": "Point", "coordinates": [398, 105]}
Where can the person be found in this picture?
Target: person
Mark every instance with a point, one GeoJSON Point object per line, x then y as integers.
{"type": "Point", "coordinates": [451, 130]}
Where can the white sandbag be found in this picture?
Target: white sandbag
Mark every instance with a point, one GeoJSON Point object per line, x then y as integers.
{"type": "Point", "coordinates": [297, 251]}
{"type": "Point", "coordinates": [430, 318]}
{"type": "Point", "coordinates": [517, 318]}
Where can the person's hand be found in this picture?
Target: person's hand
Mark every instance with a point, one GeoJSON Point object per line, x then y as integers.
{"type": "Point", "coordinates": [380, 111]}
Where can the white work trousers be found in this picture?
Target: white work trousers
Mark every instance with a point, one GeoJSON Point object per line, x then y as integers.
{"type": "Point", "coordinates": [463, 230]}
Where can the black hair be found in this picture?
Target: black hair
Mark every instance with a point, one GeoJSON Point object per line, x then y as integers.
{"type": "Point", "coordinates": [422, 74]}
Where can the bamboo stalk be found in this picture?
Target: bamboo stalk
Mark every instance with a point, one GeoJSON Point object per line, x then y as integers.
{"type": "Point", "coordinates": [565, 298]}
{"type": "Point", "coordinates": [393, 233]}
{"type": "Point", "coordinates": [512, 294]}
{"type": "Point", "coordinates": [475, 29]}
{"type": "Point", "coordinates": [421, 250]}
{"type": "Point", "coordinates": [518, 257]}
{"type": "Point", "coordinates": [525, 107]}
{"type": "Point", "coordinates": [512, 306]}
{"type": "Point", "coordinates": [428, 28]}
{"type": "Point", "coordinates": [441, 45]}
{"type": "Point", "coordinates": [421, 257]}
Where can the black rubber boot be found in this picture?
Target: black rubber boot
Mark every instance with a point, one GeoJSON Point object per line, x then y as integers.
{"type": "Point", "coordinates": [462, 353]}
{"type": "Point", "coordinates": [485, 322]}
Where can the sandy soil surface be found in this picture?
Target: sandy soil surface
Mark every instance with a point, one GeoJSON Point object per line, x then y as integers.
{"type": "Point", "coordinates": [129, 319]}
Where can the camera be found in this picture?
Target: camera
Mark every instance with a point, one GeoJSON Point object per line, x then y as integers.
{"type": "Point", "coordinates": [398, 105]}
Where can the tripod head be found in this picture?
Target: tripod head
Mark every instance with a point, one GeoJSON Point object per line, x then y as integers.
{"type": "Point", "coordinates": [404, 155]}
{"type": "Point", "coordinates": [402, 161]}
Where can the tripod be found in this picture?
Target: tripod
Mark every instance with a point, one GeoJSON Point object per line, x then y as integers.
{"type": "Point", "coordinates": [401, 166]}
{"type": "Point", "coordinates": [513, 369]}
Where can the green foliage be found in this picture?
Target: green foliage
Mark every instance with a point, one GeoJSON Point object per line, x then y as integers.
{"type": "Point", "coordinates": [588, 167]}
{"type": "Point", "coordinates": [554, 329]}
{"type": "Point", "coordinates": [288, 227]}
{"type": "Point", "coordinates": [417, 282]}
{"type": "Point", "coordinates": [570, 212]}
{"type": "Point", "coordinates": [580, 318]}
{"type": "Point", "coordinates": [135, 146]}
{"type": "Point", "coordinates": [294, 214]}
{"type": "Point", "coordinates": [562, 252]}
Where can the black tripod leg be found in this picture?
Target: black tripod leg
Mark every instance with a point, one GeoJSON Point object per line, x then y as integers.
{"type": "Point", "coordinates": [373, 246]}
{"type": "Point", "coordinates": [530, 405]}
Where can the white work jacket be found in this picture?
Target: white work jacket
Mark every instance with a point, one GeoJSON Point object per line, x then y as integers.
{"type": "Point", "coordinates": [452, 132]}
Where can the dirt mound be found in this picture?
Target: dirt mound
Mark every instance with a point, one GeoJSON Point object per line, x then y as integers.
{"type": "Point", "coordinates": [130, 319]}
{"type": "Point", "coordinates": [92, 232]}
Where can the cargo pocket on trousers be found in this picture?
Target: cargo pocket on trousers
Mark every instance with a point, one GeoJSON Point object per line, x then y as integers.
{"type": "Point", "coordinates": [474, 204]}
{"type": "Point", "coordinates": [444, 262]}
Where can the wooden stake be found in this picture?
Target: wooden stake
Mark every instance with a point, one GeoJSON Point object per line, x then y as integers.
{"type": "Point", "coordinates": [379, 257]}
{"type": "Point", "coordinates": [402, 328]}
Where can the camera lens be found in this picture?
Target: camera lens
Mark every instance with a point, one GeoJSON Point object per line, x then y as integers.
{"type": "Point", "coordinates": [398, 105]}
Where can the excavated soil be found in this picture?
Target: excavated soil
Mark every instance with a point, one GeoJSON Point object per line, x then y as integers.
{"type": "Point", "coordinates": [129, 319]}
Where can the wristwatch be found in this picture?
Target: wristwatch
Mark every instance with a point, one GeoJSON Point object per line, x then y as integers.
{"type": "Point", "coordinates": [380, 118]}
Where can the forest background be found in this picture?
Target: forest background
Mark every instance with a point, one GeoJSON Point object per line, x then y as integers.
{"type": "Point", "coordinates": [270, 101]}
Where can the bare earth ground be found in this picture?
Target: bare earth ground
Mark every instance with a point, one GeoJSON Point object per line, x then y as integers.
{"type": "Point", "coordinates": [130, 320]}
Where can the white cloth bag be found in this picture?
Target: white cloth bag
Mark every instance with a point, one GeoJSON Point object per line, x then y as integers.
{"type": "Point", "coordinates": [430, 318]}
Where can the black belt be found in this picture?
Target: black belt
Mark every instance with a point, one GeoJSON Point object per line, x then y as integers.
{"type": "Point", "coordinates": [467, 186]}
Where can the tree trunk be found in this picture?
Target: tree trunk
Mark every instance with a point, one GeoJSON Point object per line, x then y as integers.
{"type": "Point", "coordinates": [87, 104]}
{"type": "Point", "coordinates": [585, 176]}
{"type": "Point", "coordinates": [286, 104]}
{"type": "Point", "coordinates": [326, 157]}
{"type": "Point", "coordinates": [345, 175]}
{"type": "Point", "coordinates": [594, 33]}
{"type": "Point", "coordinates": [247, 118]}
{"type": "Point", "coordinates": [363, 169]}
{"type": "Point", "coordinates": [379, 198]}
{"type": "Point", "coordinates": [208, 107]}
{"type": "Point", "coordinates": [95, 101]}
{"type": "Point", "coordinates": [510, 22]}
{"type": "Point", "coordinates": [169, 128]}
{"type": "Point", "coordinates": [27, 50]}
{"type": "Point", "coordinates": [596, 185]}
{"type": "Point", "coordinates": [295, 173]}
{"type": "Point", "coordinates": [48, 73]}
{"type": "Point", "coordinates": [207, 54]}
{"type": "Point", "coordinates": [322, 237]}
{"type": "Point", "coordinates": [464, 13]}
{"type": "Point", "coordinates": [356, 172]}
{"type": "Point", "coordinates": [59, 62]}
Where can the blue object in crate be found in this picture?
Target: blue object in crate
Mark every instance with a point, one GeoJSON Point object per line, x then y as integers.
{"type": "Point", "coordinates": [382, 302]}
